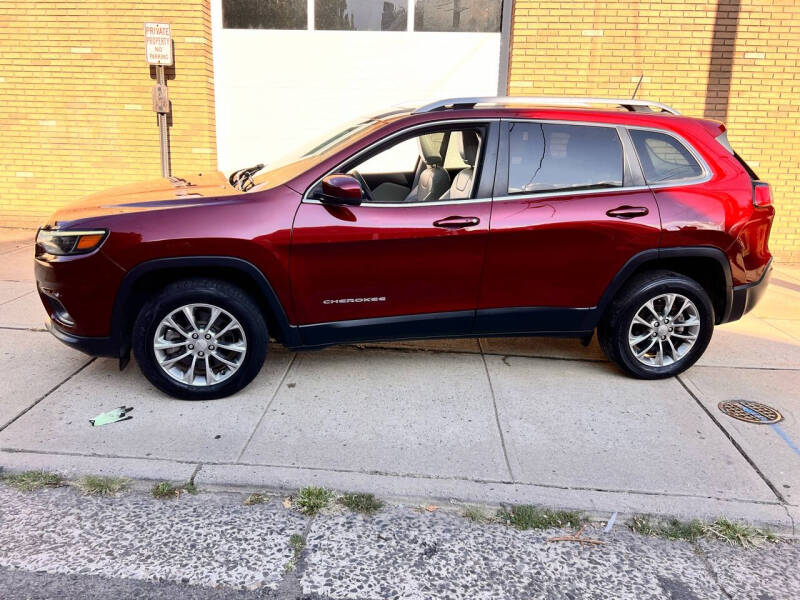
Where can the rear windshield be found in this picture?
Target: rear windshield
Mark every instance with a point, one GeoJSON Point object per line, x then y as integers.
{"type": "Point", "coordinates": [723, 140]}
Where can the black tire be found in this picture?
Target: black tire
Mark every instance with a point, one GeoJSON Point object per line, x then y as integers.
{"type": "Point", "coordinates": [200, 291]}
{"type": "Point", "coordinates": [613, 330]}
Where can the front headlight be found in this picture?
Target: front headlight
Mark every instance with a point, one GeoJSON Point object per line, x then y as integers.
{"type": "Point", "coordinates": [62, 243]}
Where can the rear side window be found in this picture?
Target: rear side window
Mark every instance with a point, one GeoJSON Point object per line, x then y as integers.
{"type": "Point", "coordinates": [664, 158]}
{"type": "Point", "coordinates": [549, 157]}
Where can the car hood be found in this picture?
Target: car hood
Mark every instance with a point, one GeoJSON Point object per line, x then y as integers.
{"type": "Point", "coordinates": [164, 193]}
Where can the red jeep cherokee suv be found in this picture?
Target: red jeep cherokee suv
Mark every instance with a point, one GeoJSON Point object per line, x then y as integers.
{"type": "Point", "coordinates": [466, 217]}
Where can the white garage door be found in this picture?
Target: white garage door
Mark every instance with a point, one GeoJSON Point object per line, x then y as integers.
{"type": "Point", "coordinates": [289, 70]}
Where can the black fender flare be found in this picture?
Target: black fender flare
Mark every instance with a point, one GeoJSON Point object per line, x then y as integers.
{"type": "Point", "coordinates": [120, 336]}
{"type": "Point", "coordinates": [655, 254]}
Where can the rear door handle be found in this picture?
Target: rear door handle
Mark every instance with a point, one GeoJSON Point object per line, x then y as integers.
{"type": "Point", "coordinates": [627, 212]}
{"type": "Point", "coordinates": [456, 222]}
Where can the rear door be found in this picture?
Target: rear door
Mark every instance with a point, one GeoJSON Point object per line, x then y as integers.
{"type": "Point", "coordinates": [570, 209]}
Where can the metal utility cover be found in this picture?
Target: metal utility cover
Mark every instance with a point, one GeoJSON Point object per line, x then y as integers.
{"type": "Point", "coordinates": [750, 412]}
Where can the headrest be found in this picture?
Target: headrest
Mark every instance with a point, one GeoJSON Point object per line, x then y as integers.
{"type": "Point", "coordinates": [468, 146]}
{"type": "Point", "coordinates": [431, 147]}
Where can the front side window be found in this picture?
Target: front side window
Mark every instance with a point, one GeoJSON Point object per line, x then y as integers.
{"type": "Point", "coordinates": [360, 15]}
{"type": "Point", "coordinates": [264, 14]}
{"type": "Point", "coordinates": [434, 166]}
{"type": "Point", "coordinates": [663, 157]}
{"type": "Point", "coordinates": [550, 157]}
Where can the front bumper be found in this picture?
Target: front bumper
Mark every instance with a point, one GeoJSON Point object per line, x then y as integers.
{"type": "Point", "coordinates": [78, 291]}
{"type": "Point", "coordinates": [93, 346]}
{"type": "Point", "coordinates": [745, 297]}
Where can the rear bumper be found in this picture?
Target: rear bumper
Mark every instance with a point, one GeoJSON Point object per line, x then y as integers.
{"type": "Point", "coordinates": [93, 346]}
{"type": "Point", "coordinates": [745, 297]}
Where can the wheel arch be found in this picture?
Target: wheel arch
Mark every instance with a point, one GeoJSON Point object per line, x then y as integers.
{"type": "Point", "coordinates": [706, 265]}
{"type": "Point", "coordinates": [150, 276]}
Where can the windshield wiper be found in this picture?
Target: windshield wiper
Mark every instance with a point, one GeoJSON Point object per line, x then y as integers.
{"type": "Point", "coordinates": [242, 177]}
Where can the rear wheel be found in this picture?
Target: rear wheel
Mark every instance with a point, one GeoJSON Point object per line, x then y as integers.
{"type": "Point", "coordinates": [658, 325]}
{"type": "Point", "coordinates": [200, 339]}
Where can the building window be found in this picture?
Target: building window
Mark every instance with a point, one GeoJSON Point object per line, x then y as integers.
{"type": "Point", "coordinates": [555, 158]}
{"type": "Point", "coordinates": [264, 14]}
{"type": "Point", "coordinates": [361, 15]}
{"type": "Point", "coordinates": [364, 15]}
{"type": "Point", "coordinates": [457, 15]}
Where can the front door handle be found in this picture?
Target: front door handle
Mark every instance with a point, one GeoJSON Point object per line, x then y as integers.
{"type": "Point", "coordinates": [456, 222]}
{"type": "Point", "coordinates": [627, 212]}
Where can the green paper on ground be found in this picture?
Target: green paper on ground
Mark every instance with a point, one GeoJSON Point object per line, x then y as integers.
{"type": "Point", "coordinates": [113, 416]}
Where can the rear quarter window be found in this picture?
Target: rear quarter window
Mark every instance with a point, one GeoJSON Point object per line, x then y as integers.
{"type": "Point", "coordinates": [663, 158]}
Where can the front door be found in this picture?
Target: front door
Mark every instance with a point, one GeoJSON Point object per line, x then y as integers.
{"type": "Point", "coordinates": [570, 211]}
{"type": "Point", "coordinates": [407, 261]}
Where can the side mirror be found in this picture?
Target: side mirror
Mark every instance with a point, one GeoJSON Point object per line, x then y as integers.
{"type": "Point", "coordinates": [341, 189]}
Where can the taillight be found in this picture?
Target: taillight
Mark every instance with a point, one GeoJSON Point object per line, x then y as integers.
{"type": "Point", "coordinates": [762, 195]}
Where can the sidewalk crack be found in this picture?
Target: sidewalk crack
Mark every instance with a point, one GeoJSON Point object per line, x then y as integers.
{"type": "Point", "coordinates": [291, 586]}
{"type": "Point", "coordinates": [735, 444]}
{"type": "Point", "coordinates": [710, 569]}
{"type": "Point", "coordinates": [791, 519]}
{"type": "Point", "coordinates": [195, 472]}
{"type": "Point", "coordinates": [47, 393]}
{"type": "Point", "coordinates": [266, 408]}
{"type": "Point", "coordinates": [28, 293]}
{"type": "Point", "coordinates": [496, 414]}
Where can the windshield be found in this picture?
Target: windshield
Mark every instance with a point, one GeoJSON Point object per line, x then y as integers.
{"type": "Point", "coordinates": [303, 157]}
{"type": "Point", "coordinates": [306, 152]}
{"type": "Point", "coordinates": [330, 139]}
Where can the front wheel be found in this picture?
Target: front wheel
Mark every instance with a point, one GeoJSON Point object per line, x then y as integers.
{"type": "Point", "coordinates": [658, 325]}
{"type": "Point", "coordinates": [200, 339]}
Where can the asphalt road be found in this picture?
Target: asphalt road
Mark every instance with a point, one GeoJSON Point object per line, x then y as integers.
{"type": "Point", "coordinates": [59, 544]}
{"type": "Point", "coordinates": [25, 585]}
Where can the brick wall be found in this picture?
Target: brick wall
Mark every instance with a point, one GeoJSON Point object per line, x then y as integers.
{"type": "Point", "coordinates": [736, 61]}
{"type": "Point", "coordinates": [75, 99]}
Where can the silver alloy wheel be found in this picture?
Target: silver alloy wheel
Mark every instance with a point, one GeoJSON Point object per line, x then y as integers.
{"type": "Point", "coordinates": [664, 329]}
{"type": "Point", "coordinates": [199, 344]}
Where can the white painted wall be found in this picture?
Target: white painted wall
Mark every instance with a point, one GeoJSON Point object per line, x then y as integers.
{"type": "Point", "coordinates": [277, 89]}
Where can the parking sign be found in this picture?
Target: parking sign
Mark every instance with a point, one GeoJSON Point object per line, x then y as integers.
{"type": "Point", "coordinates": [158, 43]}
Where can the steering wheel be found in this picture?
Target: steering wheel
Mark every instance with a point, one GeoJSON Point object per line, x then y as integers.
{"type": "Point", "coordinates": [247, 182]}
{"type": "Point", "coordinates": [362, 181]}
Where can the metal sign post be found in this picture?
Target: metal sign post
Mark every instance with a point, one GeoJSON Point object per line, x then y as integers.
{"type": "Point", "coordinates": [158, 48]}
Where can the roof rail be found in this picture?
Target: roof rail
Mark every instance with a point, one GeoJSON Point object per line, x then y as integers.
{"type": "Point", "coordinates": [626, 103]}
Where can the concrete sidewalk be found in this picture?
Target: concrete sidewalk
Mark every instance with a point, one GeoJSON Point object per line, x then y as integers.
{"type": "Point", "coordinates": [492, 420]}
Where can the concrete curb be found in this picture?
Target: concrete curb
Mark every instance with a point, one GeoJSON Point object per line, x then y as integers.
{"type": "Point", "coordinates": [415, 490]}
{"type": "Point", "coordinates": [74, 465]}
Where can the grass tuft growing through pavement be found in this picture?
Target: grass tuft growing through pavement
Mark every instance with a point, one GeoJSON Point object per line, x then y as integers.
{"type": "Point", "coordinates": [98, 485]}
{"type": "Point", "coordinates": [691, 531]}
{"type": "Point", "coordinates": [476, 514]}
{"type": "Point", "coordinates": [671, 529]}
{"type": "Point", "coordinates": [366, 504]}
{"type": "Point", "coordinates": [311, 500]}
{"type": "Point", "coordinates": [255, 498]}
{"type": "Point", "coordinates": [527, 516]}
{"type": "Point", "coordinates": [738, 533]}
{"type": "Point", "coordinates": [33, 480]}
{"type": "Point", "coordinates": [297, 544]}
{"type": "Point", "coordinates": [166, 490]}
